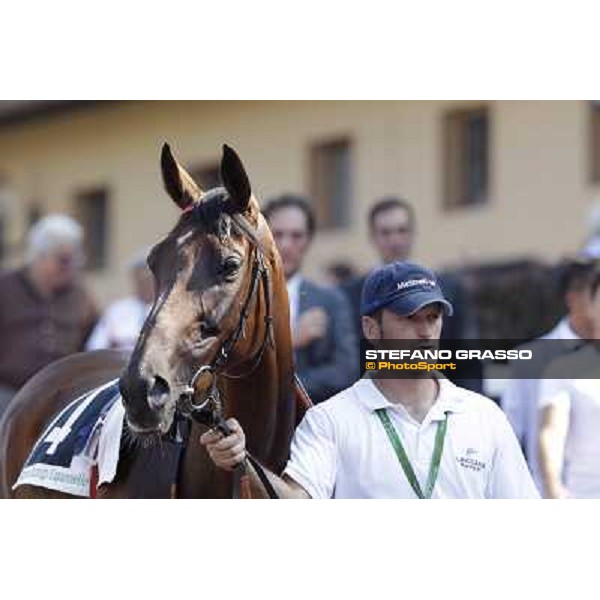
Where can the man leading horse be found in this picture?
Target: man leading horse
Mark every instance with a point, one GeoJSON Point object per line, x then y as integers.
{"type": "Point", "coordinates": [422, 437]}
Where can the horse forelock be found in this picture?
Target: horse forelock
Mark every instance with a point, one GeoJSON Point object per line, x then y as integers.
{"type": "Point", "coordinates": [209, 211]}
{"type": "Point", "coordinates": [214, 213]}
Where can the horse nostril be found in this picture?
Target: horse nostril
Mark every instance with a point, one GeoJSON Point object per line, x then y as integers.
{"type": "Point", "coordinates": [159, 393]}
{"type": "Point", "coordinates": [208, 328]}
{"type": "Point", "coordinates": [133, 390]}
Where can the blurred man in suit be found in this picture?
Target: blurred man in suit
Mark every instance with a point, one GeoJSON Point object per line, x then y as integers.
{"type": "Point", "coordinates": [391, 229]}
{"type": "Point", "coordinates": [325, 343]}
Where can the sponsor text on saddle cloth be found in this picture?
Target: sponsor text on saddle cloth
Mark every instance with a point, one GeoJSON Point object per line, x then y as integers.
{"type": "Point", "coordinates": [85, 436]}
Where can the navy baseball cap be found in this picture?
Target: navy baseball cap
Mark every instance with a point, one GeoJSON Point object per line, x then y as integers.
{"type": "Point", "coordinates": [402, 287]}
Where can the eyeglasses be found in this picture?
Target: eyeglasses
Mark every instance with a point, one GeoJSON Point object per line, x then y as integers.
{"type": "Point", "coordinates": [295, 236]}
{"type": "Point", "coordinates": [402, 230]}
{"type": "Point", "coordinates": [70, 260]}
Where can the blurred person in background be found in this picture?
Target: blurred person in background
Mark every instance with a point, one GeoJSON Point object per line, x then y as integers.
{"type": "Point", "coordinates": [392, 233]}
{"type": "Point", "coordinates": [520, 400]}
{"type": "Point", "coordinates": [325, 344]}
{"type": "Point", "coordinates": [121, 323]}
{"type": "Point", "coordinates": [45, 313]}
{"type": "Point", "coordinates": [391, 229]}
{"type": "Point", "coordinates": [591, 247]}
{"type": "Point", "coordinates": [569, 403]}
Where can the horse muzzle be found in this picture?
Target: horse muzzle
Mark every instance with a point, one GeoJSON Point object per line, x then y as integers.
{"type": "Point", "coordinates": [147, 404]}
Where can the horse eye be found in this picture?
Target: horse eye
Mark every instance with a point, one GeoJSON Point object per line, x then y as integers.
{"type": "Point", "coordinates": [230, 267]}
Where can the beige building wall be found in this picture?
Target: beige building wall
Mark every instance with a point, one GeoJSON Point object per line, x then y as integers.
{"type": "Point", "coordinates": [540, 191]}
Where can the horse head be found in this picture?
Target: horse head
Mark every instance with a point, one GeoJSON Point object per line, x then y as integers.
{"type": "Point", "coordinates": [211, 304]}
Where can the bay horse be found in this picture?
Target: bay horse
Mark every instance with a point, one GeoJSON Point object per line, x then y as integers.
{"type": "Point", "coordinates": [219, 323]}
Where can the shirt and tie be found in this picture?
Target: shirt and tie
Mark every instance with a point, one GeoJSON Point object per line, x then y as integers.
{"type": "Point", "coordinates": [293, 289]}
{"type": "Point", "coordinates": [330, 362]}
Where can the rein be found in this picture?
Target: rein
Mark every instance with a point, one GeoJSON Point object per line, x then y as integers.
{"type": "Point", "coordinates": [209, 411]}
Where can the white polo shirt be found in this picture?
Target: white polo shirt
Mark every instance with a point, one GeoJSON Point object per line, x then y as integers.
{"type": "Point", "coordinates": [340, 450]}
{"type": "Point", "coordinates": [520, 401]}
{"type": "Point", "coordinates": [120, 325]}
{"type": "Point", "coordinates": [581, 397]}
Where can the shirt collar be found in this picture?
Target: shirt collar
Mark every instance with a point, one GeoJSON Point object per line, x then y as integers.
{"type": "Point", "coordinates": [449, 398]}
{"type": "Point", "coordinates": [293, 283]}
{"type": "Point", "coordinates": [564, 331]}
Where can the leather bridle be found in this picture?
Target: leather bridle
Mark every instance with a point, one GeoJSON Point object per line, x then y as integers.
{"type": "Point", "coordinates": [260, 274]}
{"type": "Point", "coordinates": [208, 412]}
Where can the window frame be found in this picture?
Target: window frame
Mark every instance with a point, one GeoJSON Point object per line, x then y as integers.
{"type": "Point", "coordinates": [593, 107]}
{"type": "Point", "coordinates": [324, 209]}
{"type": "Point", "coordinates": [456, 165]}
{"type": "Point", "coordinates": [93, 264]}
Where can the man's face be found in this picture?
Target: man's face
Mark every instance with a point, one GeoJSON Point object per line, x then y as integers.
{"type": "Point", "coordinates": [594, 313]}
{"type": "Point", "coordinates": [392, 234]}
{"type": "Point", "coordinates": [583, 309]}
{"type": "Point", "coordinates": [290, 231]}
{"type": "Point", "coordinates": [423, 326]}
{"type": "Point", "coordinates": [61, 266]}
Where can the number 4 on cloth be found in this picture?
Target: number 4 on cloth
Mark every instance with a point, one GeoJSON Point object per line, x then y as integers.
{"type": "Point", "coordinates": [59, 433]}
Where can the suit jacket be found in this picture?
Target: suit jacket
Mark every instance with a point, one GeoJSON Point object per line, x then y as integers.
{"type": "Point", "coordinates": [331, 363]}
{"type": "Point", "coordinates": [353, 291]}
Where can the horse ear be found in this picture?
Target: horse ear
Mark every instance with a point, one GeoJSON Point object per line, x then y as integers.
{"type": "Point", "coordinates": [178, 182]}
{"type": "Point", "coordinates": [235, 178]}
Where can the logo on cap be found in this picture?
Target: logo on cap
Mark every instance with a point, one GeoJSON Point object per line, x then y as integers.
{"type": "Point", "coordinates": [412, 282]}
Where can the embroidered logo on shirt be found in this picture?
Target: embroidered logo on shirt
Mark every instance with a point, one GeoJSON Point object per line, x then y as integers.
{"type": "Point", "coordinates": [468, 461]}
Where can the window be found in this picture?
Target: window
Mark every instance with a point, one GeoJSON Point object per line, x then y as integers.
{"type": "Point", "coordinates": [595, 141]}
{"type": "Point", "coordinates": [91, 209]}
{"type": "Point", "coordinates": [466, 160]}
{"type": "Point", "coordinates": [207, 176]}
{"type": "Point", "coordinates": [5, 202]}
{"type": "Point", "coordinates": [330, 182]}
{"type": "Point", "coordinates": [3, 228]}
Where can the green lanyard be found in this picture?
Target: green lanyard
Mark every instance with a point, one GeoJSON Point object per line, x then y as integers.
{"type": "Point", "coordinates": [403, 458]}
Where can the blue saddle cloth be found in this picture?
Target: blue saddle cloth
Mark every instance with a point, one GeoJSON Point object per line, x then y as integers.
{"type": "Point", "coordinates": [65, 453]}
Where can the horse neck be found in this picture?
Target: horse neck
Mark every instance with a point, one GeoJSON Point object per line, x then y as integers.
{"type": "Point", "coordinates": [264, 401]}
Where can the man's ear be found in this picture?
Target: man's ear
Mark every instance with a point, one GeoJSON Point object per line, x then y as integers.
{"type": "Point", "coordinates": [371, 329]}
